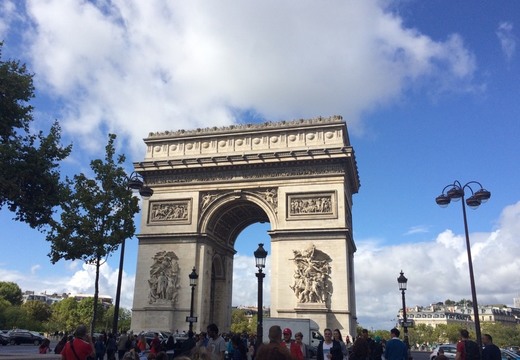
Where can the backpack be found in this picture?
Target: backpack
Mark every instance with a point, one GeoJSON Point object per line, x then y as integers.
{"type": "Point", "coordinates": [471, 349]}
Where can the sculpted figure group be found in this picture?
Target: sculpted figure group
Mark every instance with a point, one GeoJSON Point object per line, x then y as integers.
{"type": "Point", "coordinates": [164, 277]}
{"type": "Point", "coordinates": [312, 282]}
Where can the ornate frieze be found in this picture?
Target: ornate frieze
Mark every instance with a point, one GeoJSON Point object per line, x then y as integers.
{"type": "Point", "coordinates": [164, 278]}
{"type": "Point", "coordinates": [312, 283]}
{"type": "Point", "coordinates": [260, 173]}
{"type": "Point", "coordinates": [250, 138]}
{"type": "Point", "coordinates": [171, 211]}
{"type": "Point", "coordinates": [314, 205]}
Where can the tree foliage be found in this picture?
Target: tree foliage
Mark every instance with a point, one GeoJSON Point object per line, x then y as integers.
{"type": "Point", "coordinates": [240, 322]}
{"type": "Point", "coordinates": [11, 292]}
{"type": "Point", "coordinates": [30, 183]}
{"type": "Point", "coordinates": [37, 310]}
{"type": "Point", "coordinates": [97, 215]}
{"type": "Point", "coordinates": [64, 315]}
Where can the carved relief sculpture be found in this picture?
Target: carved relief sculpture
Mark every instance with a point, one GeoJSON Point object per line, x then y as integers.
{"type": "Point", "coordinates": [164, 278]}
{"type": "Point", "coordinates": [314, 205]}
{"type": "Point", "coordinates": [312, 283]}
{"type": "Point", "coordinates": [206, 199]}
{"type": "Point", "coordinates": [271, 196]}
{"type": "Point", "coordinates": [175, 211]}
{"type": "Point", "coordinates": [311, 206]}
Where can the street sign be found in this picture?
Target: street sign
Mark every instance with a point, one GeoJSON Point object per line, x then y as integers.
{"type": "Point", "coordinates": [408, 323]}
{"type": "Point", "coordinates": [191, 319]}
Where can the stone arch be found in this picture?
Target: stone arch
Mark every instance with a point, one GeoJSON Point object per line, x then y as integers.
{"type": "Point", "coordinates": [234, 211]}
{"type": "Point", "coordinates": [210, 184]}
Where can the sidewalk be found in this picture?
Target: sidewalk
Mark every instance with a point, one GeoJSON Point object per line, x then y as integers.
{"type": "Point", "coordinates": [14, 356]}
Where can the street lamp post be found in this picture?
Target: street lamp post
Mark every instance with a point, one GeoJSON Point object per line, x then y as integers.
{"type": "Point", "coordinates": [134, 182]}
{"type": "Point", "coordinates": [193, 282]}
{"type": "Point", "coordinates": [260, 256]}
{"type": "Point", "coordinates": [455, 192]}
{"type": "Point", "coordinates": [402, 281]}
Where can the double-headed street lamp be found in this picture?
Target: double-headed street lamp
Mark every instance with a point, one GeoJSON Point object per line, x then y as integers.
{"type": "Point", "coordinates": [193, 282]}
{"type": "Point", "coordinates": [456, 192]}
{"type": "Point", "coordinates": [134, 182]}
{"type": "Point", "coordinates": [402, 281]}
{"type": "Point", "coordinates": [260, 256]}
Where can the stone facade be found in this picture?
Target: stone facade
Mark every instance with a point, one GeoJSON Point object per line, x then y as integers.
{"type": "Point", "coordinates": [210, 184]}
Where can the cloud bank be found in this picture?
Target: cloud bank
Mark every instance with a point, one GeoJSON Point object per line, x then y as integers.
{"type": "Point", "coordinates": [133, 67]}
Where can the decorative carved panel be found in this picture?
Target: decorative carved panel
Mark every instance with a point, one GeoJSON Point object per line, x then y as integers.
{"type": "Point", "coordinates": [312, 205]}
{"type": "Point", "coordinates": [170, 211]}
{"type": "Point", "coordinates": [312, 283]}
{"type": "Point", "coordinates": [164, 278]}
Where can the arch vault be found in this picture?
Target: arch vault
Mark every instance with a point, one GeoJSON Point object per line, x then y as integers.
{"type": "Point", "coordinates": [210, 184]}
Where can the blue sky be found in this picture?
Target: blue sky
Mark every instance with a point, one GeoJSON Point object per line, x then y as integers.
{"type": "Point", "coordinates": [429, 90]}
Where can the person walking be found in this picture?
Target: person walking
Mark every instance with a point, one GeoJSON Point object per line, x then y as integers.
{"type": "Point", "coordinates": [100, 347]}
{"type": "Point", "coordinates": [395, 349]}
{"type": "Point", "coordinates": [275, 349]}
{"type": "Point", "coordinates": [111, 347]}
{"type": "Point", "coordinates": [466, 349]}
{"type": "Point", "coordinates": [299, 350]}
{"type": "Point", "coordinates": [80, 346]}
{"type": "Point", "coordinates": [216, 344]}
{"type": "Point", "coordinates": [329, 349]}
{"type": "Point", "coordinates": [287, 338]}
{"type": "Point", "coordinates": [336, 335]}
{"type": "Point", "coordinates": [490, 351]}
{"type": "Point", "coordinates": [122, 345]}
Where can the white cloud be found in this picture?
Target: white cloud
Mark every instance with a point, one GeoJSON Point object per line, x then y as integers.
{"type": "Point", "coordinates": [419, 229]}
{"type": "Point", "coordinates": [438, 270]}
{"type": "Point", "coordinates": [507, 39]}
{"type": "Point", "coordinates": [141, 66]}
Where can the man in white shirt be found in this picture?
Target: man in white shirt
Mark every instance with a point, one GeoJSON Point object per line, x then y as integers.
{"type": "Point", "coordinates": [216, 343]}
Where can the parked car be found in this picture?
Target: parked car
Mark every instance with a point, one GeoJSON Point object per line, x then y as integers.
{"type": "Point", "coordinates": [149, 335]}
{"type": "Point", "coordinates": [4, 338]}
{"type": "Point", "coordinates": [18, 336]}
{"type": "Point", "coordinates": [509, 355]}
{"type": "Point", "coordinates": [450, 351]}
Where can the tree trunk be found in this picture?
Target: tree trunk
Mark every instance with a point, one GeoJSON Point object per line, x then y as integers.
{"type": "Point", "coordinates": [96, 296]}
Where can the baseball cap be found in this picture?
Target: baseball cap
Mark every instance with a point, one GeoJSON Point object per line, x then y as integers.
{"type": "Point", "coordinates": [287, 331]}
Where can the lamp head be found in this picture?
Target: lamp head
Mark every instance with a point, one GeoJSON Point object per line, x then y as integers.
{"type": "Point", "coordinates": [193, 277]}
{"type": "Point", "coordinates": [483, 195]}
{"type": "Point", "coordinates": [455, 193]}
{"type": "Point", "coordinates": [145, 192]}
{"type": "Point", "coordinates": [442, 200]}
{"type": "Point", "coordinates": [260, 256]}
{"type": "Point", "coordinates": [402, 281]}
{"type": "Point", "coordinates": [473, 202]}
{"type": "Point", "coordinates": [134, 182]}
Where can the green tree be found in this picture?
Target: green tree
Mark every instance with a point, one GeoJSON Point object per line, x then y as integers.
{"type": "Point", "coordinates": [96, 216]}
{"type": "Point", "coordinates": [240, 322]}
{"type": "Point", "coordinates": [29, 175]}
{"type": "Point", "coordinates": [4, 305]}
{"type": "Point", "coordinates": [503, 334]}
{"type": "Point", "coordinates": [11, 292]}
{"type": "Point", "coordinates": [64, 315]}
{"type": "Point", "coordinates": [85, 313]}
{"type": "Point", "coordinates": [37, 310]}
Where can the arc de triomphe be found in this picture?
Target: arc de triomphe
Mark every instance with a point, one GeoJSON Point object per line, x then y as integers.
{"type": "Point", "coordinates": [210, 184]}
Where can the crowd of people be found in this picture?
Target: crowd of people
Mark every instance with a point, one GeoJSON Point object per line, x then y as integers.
{"type": "Point", "coordinates": [280, 345]}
